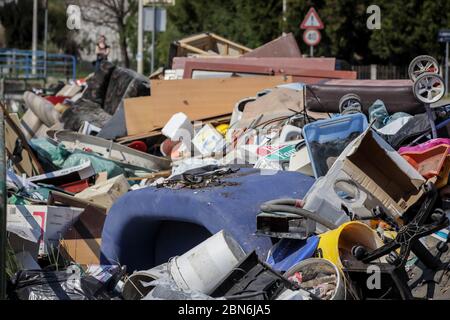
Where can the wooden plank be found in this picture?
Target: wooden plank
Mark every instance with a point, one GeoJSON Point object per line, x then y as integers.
{"type": "Point", "coordinates": [198, 99]}
{"type": "Point", "coordinates": [275, 63]}
{"type": "Point", "coordinates": [309, 76]}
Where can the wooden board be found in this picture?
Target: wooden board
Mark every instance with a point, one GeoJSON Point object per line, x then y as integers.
{"type": "Point", "coordinates": [198, 99]}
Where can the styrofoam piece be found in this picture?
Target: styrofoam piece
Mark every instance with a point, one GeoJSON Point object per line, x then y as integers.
{"type": "Point", "coordinates": [179, 127]}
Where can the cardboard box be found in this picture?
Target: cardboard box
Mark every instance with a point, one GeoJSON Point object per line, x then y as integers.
{"type": "Point", "coordinates": [82, 241]}
{"type": "Point", "coordinates": [368, 173]}
{"type": "Point", "coordinates": [106, 193]}
{"type": "Point", "coordinates": [43, 224]}
{"type": "Point", "coordinates": [374, 165]}
{"type": "Point", "coordinates": [208, 140]}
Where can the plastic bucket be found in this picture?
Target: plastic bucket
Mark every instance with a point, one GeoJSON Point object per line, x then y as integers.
{"type": "Point", "coordinates": [312, 268]}
{"type": "Point", "coordinates": [336, 245]}
{"type": "Point", "coordinates": [203, 267]}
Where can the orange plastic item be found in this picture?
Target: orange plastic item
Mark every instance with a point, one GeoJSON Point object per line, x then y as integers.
{"type": "Point", "coordinates": [443, 176]}
{"type": "Point", "coordinates": [429, 163]}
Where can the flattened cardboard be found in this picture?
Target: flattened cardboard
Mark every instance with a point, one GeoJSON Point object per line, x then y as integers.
{"type": "Point", "coordinates": [43, 224]}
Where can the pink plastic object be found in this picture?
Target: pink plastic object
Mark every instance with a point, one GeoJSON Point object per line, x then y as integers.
{"type": "Point", "coordinates": [425, 146]}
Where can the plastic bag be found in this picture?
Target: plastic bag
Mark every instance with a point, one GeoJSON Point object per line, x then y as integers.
{"type": "Point", "coordinates": [70, 284]}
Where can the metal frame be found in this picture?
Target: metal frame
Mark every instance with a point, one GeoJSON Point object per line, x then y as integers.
{"type": "Point", "coordinates": [19, 64]}
{"type": "Point", "coordinates": [3, 208]}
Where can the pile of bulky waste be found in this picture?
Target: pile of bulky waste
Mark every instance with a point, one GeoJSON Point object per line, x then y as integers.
{"type": "Point", "coordinates": [257, 175]}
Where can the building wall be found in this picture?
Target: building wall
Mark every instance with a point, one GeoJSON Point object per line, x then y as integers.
{"type": "Point", "coordinates": [90, 33]}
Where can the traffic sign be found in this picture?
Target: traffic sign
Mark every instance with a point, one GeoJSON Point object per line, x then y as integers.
{"type": "Point", "coordinates": [444, 35]}
{"type": "Point", "coordinates": [312, 37]}
{"type": "Point", "coordinates": [160, 14]}
{"type": "Point", "coordinates": [312, 20]}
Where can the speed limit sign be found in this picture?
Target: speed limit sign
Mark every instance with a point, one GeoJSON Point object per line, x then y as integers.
{"type": "Point", "coordinates": [312, 37]}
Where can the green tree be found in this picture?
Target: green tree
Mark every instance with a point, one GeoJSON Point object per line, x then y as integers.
{"type": "Point", "coordinates": [409, 28]}
{"type": "Point", "coordinates": [17, 18]}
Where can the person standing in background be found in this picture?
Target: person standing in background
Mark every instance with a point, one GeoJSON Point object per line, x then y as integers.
{"type": "Point", "coordinates": [102, 51]}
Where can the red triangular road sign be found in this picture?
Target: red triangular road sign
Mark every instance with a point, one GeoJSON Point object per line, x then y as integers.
{"type": "Point", "coordinates": [312, 20]}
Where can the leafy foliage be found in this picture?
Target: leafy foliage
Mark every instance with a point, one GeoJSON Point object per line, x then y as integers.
{"type": "Point", "coordinates": [409, 27]}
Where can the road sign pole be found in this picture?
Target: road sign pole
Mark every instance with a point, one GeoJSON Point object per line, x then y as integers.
{"type": "Point", "coordinates": [284, 16]}
{"type": "Point", "coordinates": [446, 67]}
{"type": "Point", "coordinates": [153, 39]}
{"type": "Point", "coordinates": [140, 58]}
{"type": "Point", "coordinates": [312, 24]}
{"type": "Point", "coordinates": [34, 36]}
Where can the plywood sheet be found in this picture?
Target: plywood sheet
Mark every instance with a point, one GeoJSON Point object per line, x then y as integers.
{"type": "Point", "coordinates": [198, 99]}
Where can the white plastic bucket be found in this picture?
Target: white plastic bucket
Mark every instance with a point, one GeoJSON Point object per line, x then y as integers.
{"type": "Point", "coordinates": [203, 267]}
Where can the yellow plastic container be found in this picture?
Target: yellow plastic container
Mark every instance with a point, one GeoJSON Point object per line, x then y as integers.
{"type": "Point", "coordinates": [336, 245]}
{"type": "Point", "coordinates": [222, 129]}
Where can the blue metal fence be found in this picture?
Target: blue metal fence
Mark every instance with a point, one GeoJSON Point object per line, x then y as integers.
{"type": "Point", "coordinates": [21, 64]}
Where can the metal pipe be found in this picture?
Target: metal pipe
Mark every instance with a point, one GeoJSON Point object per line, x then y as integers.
{"type": "Point", "coordinates": [446, 67]}
{"type": "Point", "coordinates": [139, 57]}
{"type": "Point", "coordinates": [3, 208]}
{"type": "Point", "coordinates": [45, 37]}
{"type": "Point", "coordinates": [35, 36]}
{"type": "Point", "coordinates": [153, 39]}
